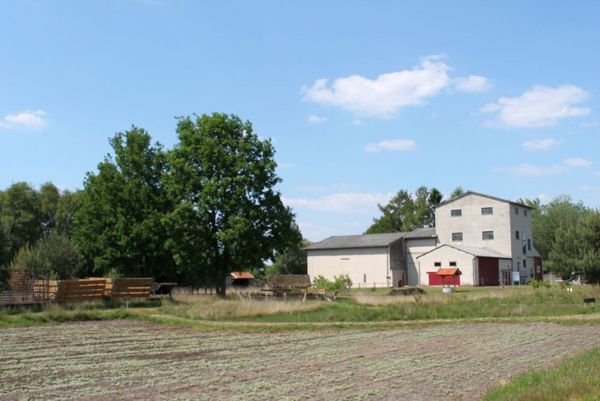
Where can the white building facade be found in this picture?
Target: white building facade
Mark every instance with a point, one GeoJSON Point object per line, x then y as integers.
{"type": "Point", "coordinates": [489, 239]}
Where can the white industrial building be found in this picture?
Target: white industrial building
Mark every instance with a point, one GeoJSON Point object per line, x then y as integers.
{"type": "Point", "coordinates": [489, 239]}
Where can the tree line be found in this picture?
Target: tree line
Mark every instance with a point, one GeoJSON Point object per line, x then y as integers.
{"type": "Point", "coordinates": [190, 214]}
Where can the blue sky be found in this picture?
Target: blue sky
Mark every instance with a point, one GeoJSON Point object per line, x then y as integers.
{"type": "Point", "coordinates": [361, 99]}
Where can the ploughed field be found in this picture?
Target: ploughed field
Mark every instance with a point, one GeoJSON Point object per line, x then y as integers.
{"type": "Point", "coordinates": [137, 360]}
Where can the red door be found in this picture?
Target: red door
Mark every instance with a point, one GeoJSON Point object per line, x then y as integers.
{"type": "Point", "coordinates": [488, 271]}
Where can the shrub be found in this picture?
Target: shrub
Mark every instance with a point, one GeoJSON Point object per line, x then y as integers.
{"type": "Point", "coordinates": [339, 283]}
{"type": "Point", "coordinates": [539, 283]}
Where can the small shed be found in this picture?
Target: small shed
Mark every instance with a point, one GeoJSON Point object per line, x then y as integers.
{"type": "Point", "coordinates": [448, 276]}
{"type": "Point", "coordinates": [241, 279]}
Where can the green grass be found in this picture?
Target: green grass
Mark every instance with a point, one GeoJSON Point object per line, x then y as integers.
{"type": "Point", "coordinates": [575, 379]}
{"type": "Point", "coordinates": [362, 306]}
{"type": "Point", "coordinates": [519, 303]}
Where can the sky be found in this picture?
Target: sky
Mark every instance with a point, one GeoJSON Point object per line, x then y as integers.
{"type": "Point", "coordinates": [360, 98]}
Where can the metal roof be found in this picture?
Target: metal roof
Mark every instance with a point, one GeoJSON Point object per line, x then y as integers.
{"type": "Point", "coordinates": [357, 241]}
{"type": "Point", "coordinates": [425, 232]}
{"type": "Point", "coordinates": [483, 252]}
{"type": "Point", "coordinates": [485, 196]}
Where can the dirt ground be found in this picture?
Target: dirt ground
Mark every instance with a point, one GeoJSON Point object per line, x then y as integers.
{"type": "Point", "coordinates": [134, 360]}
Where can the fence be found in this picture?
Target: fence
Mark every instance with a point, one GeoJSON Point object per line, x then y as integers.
{"type": "Point", "coordinates": [27, 287]}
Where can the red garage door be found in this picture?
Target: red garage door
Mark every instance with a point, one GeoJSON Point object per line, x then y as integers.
{"type": "Point", "coordinates": [488, 271]}
{"type": "Point", "coordinates": [434, 279]}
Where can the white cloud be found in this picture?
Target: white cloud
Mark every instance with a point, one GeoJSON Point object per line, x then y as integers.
{"type": "Point", "coordinates": [472, 83]}
{"type": "Point", "coordinates": [540, 144]}
{"type": "Point", "coordinates": [357, 122]}
{"type": "Point", "coordinates": [392, 144]}
{"type": "Point", "coordinates": [578, 162]}
{"type": "Point", "coordinates": [284, 165]}
{"type": "Point", "coordinates": [32, 120]}
{"type": "Point", "coordinates": [532, 170]}
{"type": "Point", "coordinates": [314, 119]}
{"type": "Point", "coordinates": [346, 202]}
{"type": "Point", "coordinates": [538, 107]}
{"type": "Point", "coordinates": [591, 124]}
{"type": "Point", "coordinates": [385, 95]}
{"type": "Point", "coordinates": [590, 188]}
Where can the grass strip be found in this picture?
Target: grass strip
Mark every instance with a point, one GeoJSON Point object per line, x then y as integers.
{"type": "Point", "coordinates": [574, 379]}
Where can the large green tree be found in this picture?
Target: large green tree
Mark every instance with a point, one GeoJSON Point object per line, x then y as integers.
{"type": "Point", "coordinates": [228, 214]}
{"type": "Point", "coordinates": [21, 219]}
{"type": "Point", "coordinates": [405, 212]}
{"type": "Point", "coordinates": [118, 222]}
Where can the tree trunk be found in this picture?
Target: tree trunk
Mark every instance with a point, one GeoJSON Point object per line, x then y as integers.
{"type": "Point", "coordinates": [221, 285]}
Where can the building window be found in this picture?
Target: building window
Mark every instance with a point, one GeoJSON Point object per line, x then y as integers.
{"type": "Point", "coordinates": [437, 264]}
{"type": "Point", "coordinates": [517, 234]}
{"type": "Point", "coordinates": [452, 264]}
{"type": "Point", "coordinates": [487, 210]}
{"type": "Point", "coordinates": [529, 244]}
{"type": "Point", "coordinates": [456, 212]}
{"type": "Point", "coordinates": [516, 210]}
{"type": "Point", "coordinates": [457, 237]}
{"type": "Point", "coordinates": [525, 213]}
{"type": "Point", "coordinates": [364, 277]}
{"type": "Point", "coordinates": [524, 263]}
{"type": "Point", "coordinates": [487, 235]}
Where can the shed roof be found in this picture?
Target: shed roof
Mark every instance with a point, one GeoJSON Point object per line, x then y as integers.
{"type": "Point", "coordinates": [357, 241]}
{"type": "Point", "coordinates": [242, 275]}
{"type": "Point", "coordinates": [485, 196]}
{"type": "Point", "coordinates": [448, 272]}
{"type": "Point", "coordinates": [480, 252]}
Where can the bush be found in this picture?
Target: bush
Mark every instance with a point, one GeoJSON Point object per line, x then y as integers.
{"type": "Point", "coordinates": [539, 283]}
{"type": "Point", "coordinates": [339, 283]}
{"type": "Point", "coordinates": [55, 254]}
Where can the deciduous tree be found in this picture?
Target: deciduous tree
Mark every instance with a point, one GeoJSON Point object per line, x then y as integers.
{"type": "Point", "coordinates": [228, 214]}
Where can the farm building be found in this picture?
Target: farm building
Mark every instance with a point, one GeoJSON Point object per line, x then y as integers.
{"type": "Point", "coordinates": [488, 238]}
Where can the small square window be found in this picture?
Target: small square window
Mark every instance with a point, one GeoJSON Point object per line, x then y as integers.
{"type": "Point", "coordinates": [437, 264]}
{"type": "Point", "coordinates": [487, 235]}
{"type": "Point", "coordinates": [487, 210]}
{"type": "Point", "coordinates": [456, 212]}
{"type": "Point", "coordinates": [452, 264]}
{"type": "Point", "coordinates": [457, 237]}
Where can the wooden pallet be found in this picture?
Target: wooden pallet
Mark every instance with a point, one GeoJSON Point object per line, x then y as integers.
{"type": "Point", "coordinates": [128, 288]}
{"type": "Point", "coordinates": [80, 290]}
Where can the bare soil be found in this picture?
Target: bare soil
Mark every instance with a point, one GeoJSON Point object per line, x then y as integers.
{"type": "Point", "coordinates": [131, 360]}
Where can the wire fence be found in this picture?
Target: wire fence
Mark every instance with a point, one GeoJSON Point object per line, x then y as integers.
{"type": "Point", "coordinates": [26, 287]}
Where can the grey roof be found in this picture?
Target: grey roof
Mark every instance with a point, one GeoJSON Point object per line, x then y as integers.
{"type": "Point", "coordinates": [483, 252]}
{"type": "Point", "coordinates": [357, 241]}
{"type": "Point", "coordinates": [425, 232]}
{"type": "Point", "coordinates": [485, 196]}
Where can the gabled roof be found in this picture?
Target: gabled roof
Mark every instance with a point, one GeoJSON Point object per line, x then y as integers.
{"type": "Point", "coordinates": [471, 250]}
{"type": "Point", "coordinates": [448, 272]}
{"type": "Point", "coordinates": [485, 196]}
{"type": "Point", "coordinates": [357, 241]}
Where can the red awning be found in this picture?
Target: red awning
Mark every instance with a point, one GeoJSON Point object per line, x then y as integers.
{"type": "Point", "coordinates": [448, 272]}
{"type": "Point", "coordinates": [242, 275]}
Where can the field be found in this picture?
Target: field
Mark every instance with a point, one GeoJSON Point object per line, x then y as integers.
{"type": "Point", "coordinates": [128, 359]}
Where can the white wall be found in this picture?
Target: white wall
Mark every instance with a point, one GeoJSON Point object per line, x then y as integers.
{"type": "Point", "coordinates": [374, 262]}
{"type": "Point", "coordinates": [416, 247]}
{"type": "Point", "coordinates": [472, 223]}
{"type": "Point", "coordinates": [465, 262]}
